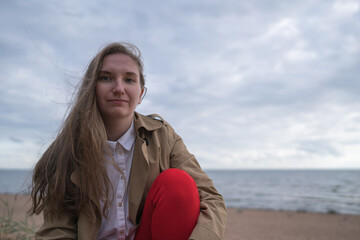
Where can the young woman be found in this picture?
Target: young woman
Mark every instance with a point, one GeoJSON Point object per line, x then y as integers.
{"type": "Point", "coordinates": [112, 173]}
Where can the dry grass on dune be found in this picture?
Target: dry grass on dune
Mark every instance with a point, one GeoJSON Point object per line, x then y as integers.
{"type": "Point", "coordinates": [15, 224]}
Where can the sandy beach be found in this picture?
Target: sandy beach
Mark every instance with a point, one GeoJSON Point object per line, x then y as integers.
{"type": "Point", "coordinates": [246, 224]}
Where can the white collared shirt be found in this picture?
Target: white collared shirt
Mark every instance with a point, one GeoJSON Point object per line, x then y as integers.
{"type": "Point", "coordinates": [117, 225]}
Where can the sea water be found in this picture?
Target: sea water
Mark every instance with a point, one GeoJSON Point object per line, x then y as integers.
{"type": "Point", "coordinates": [328, 191]}
{"type": "Point", "coordinates": [15, 181]}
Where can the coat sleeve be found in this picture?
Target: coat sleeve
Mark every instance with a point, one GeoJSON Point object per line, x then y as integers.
{"type": "Point", "coordinates": [211, 221]}
{"type": "Point", "coordinates": [62, 227]}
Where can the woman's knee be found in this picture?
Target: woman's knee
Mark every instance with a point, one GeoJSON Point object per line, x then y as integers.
{"type": "Point", "coordinates": [177, 185]}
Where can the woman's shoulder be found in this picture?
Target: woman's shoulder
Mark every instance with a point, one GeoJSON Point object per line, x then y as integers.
{"type": "Point", "coordinates": [150, 122]}
{"type": "Point", "coordinates": [157, 117]}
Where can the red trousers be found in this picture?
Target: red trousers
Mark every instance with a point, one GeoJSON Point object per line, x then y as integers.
{"type": "Point", "coordinates": [171, 209]}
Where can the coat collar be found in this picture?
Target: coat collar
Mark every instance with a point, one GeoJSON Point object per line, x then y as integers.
{"type": "Point", "coordinates": [146, 122]}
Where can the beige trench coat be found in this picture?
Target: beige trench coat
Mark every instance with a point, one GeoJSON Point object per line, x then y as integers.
{"type": "Point", "coordinates": [157, 148]}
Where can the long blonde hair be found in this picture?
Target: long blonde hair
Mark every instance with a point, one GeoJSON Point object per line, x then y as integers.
{"type": "Point", "coordinates": [80, 145]}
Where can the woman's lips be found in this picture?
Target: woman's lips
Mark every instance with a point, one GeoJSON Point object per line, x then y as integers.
{"type": "Point", "coordinates": [117, 101]}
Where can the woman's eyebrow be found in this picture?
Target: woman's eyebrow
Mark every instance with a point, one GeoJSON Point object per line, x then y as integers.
{"type": "Point", "coordinates": [104, 72]}
{"type": "Point", "coordinates": [127, 73]}
{"type": "Point", "coordinates": [131, 74]}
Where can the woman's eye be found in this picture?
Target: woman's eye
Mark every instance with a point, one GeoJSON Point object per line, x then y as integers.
{"type": "Point", "coordinates": [129, 80]}
{"type": "Point", "coordinates": [105, 78]}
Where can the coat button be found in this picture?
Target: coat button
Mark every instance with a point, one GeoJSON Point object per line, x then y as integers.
{"type": "Point", "coordinates": [120, 204]}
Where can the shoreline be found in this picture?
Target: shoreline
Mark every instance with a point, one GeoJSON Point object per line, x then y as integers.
{"type": "Point", "coordinates": [242, 223]}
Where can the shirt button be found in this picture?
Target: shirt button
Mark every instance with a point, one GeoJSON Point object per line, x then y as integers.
{"type": "Point", "coordinates": [122, 232]}
{"type": "Point", "coordinates": [120, 204]}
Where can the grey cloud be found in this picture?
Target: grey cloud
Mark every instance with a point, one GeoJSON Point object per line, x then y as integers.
{"type": "Point", "coordinates": [15, 139]}
{"type": "Point", "coordinates": [318, 147]}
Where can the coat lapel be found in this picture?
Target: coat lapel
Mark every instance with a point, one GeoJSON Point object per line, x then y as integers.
{"type": "Point", "coordinates": [140, 169]}
{"type": "Point", "coordinates": [75, 178]}
{"type": "Point", "coordinates": [138, 177]}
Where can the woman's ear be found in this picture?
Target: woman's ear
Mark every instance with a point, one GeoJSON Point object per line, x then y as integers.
{"type": "Point", "coordinates": [142, 94]}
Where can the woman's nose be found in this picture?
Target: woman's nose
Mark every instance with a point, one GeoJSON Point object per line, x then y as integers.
{"type": "Point", "coordinates": [118, 87]}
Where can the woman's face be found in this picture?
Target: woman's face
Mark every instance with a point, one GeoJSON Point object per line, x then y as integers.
{"type": "Point", "coordinates": [118, 89]}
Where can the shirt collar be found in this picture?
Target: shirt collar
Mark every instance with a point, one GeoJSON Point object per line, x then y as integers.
{"type": "Point", "coordinates": [126, 140]}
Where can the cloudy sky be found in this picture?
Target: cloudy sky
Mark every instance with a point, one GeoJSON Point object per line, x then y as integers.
{"type": "Point", "coordinates": [247, 84]}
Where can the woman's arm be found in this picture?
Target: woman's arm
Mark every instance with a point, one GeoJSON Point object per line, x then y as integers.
{"type": "Point", "coordinates": [61, 227]}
